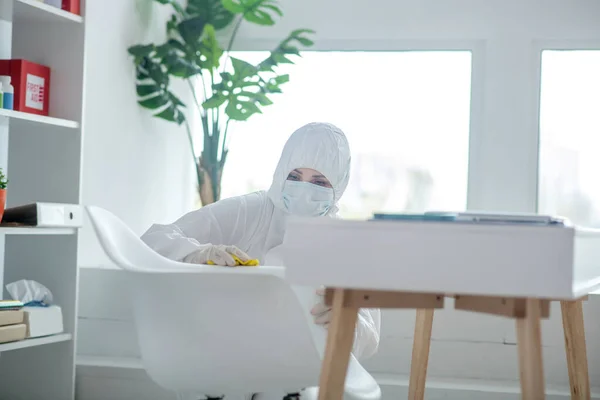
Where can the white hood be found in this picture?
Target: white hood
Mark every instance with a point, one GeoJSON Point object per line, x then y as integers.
{"type": "Point", "coordinates": [319, 146]}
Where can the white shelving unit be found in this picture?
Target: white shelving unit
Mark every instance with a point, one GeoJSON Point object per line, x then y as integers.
{"type": "Point", "coordinates": [37, 231]}
{"type": "Point", "coordinates": [21, 118]}
{"type": "Point", "coordinates": [23, 344]}
{"type": "Point", "coordinates": [42, 158]}
{"type": "Point", "coordinates": [36, 10]}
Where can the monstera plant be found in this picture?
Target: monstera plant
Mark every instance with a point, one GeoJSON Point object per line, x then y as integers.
{"type": "Point", "coordinates": [223, 88]}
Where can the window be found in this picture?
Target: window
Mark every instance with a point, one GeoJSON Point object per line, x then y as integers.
{"type": "Point", "coordinates": [570, 136]}
{"type": "Point", "coordinates": [406, 115]}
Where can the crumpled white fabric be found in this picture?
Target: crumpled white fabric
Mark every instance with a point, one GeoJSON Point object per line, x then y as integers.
{"type": "Point", "coordinates": [28, 291]}
{"type": "Point", "coordinates": [255, 223]}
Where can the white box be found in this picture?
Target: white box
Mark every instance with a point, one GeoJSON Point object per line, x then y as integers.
{"type": "Point", "coordinates": [43, 321]}
{"type": "Point", "coordinates": [45, 215]}
{"type": "Point", "coordinates": [59, 215]}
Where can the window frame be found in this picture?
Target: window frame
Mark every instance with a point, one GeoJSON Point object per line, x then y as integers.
{"type": "Point", "coordinates": [496, 182]}
{"type": "Point", "coordinates": [475, 47]}
{"type": "Point", "coordinates": [556, 45]}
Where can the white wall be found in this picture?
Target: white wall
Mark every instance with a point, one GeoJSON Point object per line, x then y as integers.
{"type": "Point", "coordinates": [505, 38]}
{"type": "Point", "coordinates": [471, 354]}
{"type": "Point", "coordinates": [133, 165]}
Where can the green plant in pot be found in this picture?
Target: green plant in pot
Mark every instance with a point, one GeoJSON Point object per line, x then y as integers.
{"type": "Point", "coordinates": [229, 89]}
{"type": "Point", "coordinates": [3, 185]}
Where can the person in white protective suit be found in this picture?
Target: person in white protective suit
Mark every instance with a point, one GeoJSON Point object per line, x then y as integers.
{"type": "Point", "coordinates": [309, 180]}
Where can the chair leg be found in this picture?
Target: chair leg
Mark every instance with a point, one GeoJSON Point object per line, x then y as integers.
{"type": "Point", "coordinates": [529, 341]}
{"type": "Point", "coordinates": [420, 354]}
{"type": "Point", "coordinates": [573, 327]}
{"type": "Point", "coordinates": [340, 338]}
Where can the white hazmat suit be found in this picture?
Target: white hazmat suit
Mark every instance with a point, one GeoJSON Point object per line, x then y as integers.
{"type": "Point", "coordinates": [255, 223]}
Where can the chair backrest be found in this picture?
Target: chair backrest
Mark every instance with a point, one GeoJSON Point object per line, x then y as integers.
{"type": "Point", "coordinates": [212, 330]}
{"type": "Point", "coordinates": [222, 333]}
{"type": "Point", "coordinates": [120, 243]}
{"type": "Point", "coordinates": [229, 334]}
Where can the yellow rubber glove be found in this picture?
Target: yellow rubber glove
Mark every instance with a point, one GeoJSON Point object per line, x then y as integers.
{"type": "Point", "coordinates": [240, 263]}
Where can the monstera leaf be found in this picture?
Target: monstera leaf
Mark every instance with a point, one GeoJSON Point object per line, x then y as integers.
{"type": "Point", "coordinates": [209, 52]}
{"type": "Point", "coordinates": [245, 90]}
{"type": "Point", "coordinates": [173, 57]}
{"type": "Point", "coordinates": [152, 90]}
{"type": "Point", "coordinates": [239, 89]}
{"type": "Point", "coordinates": [259, 12]}
{"type": "Point", "coordinates": [198, 47]}
{"type": "Point", "coordinates": [175, 4]}
{"type": "Point", "coordinates": [213, 12]}
{"type": "Point", "coordinates": [289, 46]}
{"type": "Point", "coordinates": [191, 29]}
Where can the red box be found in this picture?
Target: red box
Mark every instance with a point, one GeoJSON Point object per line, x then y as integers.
{"type": "Point", "coordinates": [32, 85]}
{"type": "Point", "coordinates": [72, 6]}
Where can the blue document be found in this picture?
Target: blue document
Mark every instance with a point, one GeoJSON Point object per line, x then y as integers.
{"type": "Point", "coordinates": [475, 217]}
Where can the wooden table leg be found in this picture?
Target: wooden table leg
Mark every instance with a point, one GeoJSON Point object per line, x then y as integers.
{"type": "Point", "coordinates": [529, 340]}
{"type": "Point", "coordinates": [340, 338]}
{"type": "Point", "coordinates": [420, 354]}
{"type": "Point", "coordinates": [573, 326]}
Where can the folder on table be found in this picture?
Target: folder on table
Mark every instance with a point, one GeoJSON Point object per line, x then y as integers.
{"type": "Point", "coordinates": [475, 217]}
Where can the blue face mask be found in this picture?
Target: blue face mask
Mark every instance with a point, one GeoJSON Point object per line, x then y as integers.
{"type": "Point", "coordinates": [306, 199]}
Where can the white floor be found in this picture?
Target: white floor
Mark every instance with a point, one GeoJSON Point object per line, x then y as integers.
{"type": "Point", "coordinates": [131, 383]}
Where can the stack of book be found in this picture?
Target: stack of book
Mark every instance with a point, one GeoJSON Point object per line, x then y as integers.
{"type": "Point", "coordinates": [12, 321]}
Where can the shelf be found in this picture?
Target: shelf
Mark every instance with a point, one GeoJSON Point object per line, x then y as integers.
{"type": "Point", "coordinates": [35, 10]}
{"type": "Point", "coordinates": [24, 344]}
{"type": "Point", "coordinates": [36, 231]}
{"type": "Point", "coordinates": [110, 362]}
{"type": "Point", "coordinates": [28, 118]}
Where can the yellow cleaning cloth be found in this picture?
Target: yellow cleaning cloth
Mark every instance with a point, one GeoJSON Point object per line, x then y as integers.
{"type": "Point", "coordinates": [240, 263]}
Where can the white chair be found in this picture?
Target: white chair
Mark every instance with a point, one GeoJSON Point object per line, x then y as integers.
{"type": "Point", "coordinates": [206, 330]}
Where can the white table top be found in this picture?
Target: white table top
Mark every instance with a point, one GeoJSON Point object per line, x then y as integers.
{"type": "Point", "coordinates": [441, 257]}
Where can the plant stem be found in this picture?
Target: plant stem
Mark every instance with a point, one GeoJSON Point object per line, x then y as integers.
{"type": "Point", "coordinates": [216, 130]}
{"type": "Point", "coordinates": [214, 111]}
{"type": "Point", "coordinates": [205, 137]}
{"type": "Point", "coordinates": [206, 97]}
{"type": "Point", "coordinates": [231, 40]}
{"type": "Point", "coordinates": [193, 90]}
{"type": "Point", "coordinates": [224, 145]}
{"type": "Point", "coordinates": [196, 160]}
{"type": "Point", "coordinates": [205, 132]}
{"type": "Point", "coordinates": [234, 33]}
{"type": "Point", "coordinates": [203, 117]}
{"type": "Point", "coordinates": [214, 145]}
